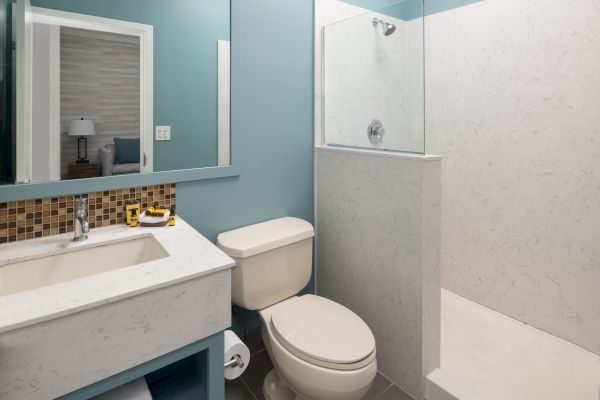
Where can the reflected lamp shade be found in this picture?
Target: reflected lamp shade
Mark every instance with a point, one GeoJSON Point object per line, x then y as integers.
{"type": "Point", "coordinates": [82, 128]}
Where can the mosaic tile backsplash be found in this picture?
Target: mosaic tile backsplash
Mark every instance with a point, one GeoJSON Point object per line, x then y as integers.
{"type": "Point", "coordinates": [29, 219]}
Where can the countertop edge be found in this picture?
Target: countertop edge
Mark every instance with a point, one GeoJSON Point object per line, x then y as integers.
{"type": "Point", "coordinates": [99, 303]}
{"type": "Point", "coordinates": [20, 313]}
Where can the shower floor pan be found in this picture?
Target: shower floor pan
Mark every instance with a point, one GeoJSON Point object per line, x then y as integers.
{"type": "Point", "coordinates": [486, 355]}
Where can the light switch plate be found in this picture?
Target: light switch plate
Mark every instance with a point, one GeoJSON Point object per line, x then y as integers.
{"type": "Point", "coordinates": [163, 133]}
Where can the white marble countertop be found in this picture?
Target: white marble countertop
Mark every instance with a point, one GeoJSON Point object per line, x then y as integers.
{"type": "Point", "coordinates": [191, 255]}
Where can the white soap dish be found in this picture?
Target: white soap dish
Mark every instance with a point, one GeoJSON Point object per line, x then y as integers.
{"type": "Point", "coordinates": [147, 220]}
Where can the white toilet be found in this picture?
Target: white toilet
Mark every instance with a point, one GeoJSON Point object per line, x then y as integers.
{"type": "Point", "coordinates": [320, 349]}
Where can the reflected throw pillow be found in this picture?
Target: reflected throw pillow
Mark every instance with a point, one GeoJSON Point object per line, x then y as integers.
{"type": "Point", "coordinates": [127, 151]}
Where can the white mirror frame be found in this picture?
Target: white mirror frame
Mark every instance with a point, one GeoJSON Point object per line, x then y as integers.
{"type": "Point", "coordinates": [23, 40]}
{"type": "Point", "coordinates": [82, 21]}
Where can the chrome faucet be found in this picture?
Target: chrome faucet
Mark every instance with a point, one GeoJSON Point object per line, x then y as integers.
{"type": "Point", "coordinates": [81, 227]}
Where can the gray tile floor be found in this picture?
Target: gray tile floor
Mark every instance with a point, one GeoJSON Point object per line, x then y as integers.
{"type": "Point", "coordinates": [249, 385]}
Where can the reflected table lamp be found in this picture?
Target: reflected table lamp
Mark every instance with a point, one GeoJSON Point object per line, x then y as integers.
{"type": "Point", "coordinates": [82, 128]}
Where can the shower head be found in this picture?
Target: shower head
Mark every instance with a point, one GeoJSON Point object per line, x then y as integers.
{"type": "Point", "coordinates": [388, 28]}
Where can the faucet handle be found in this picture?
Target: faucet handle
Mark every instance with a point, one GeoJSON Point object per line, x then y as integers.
{"type": "Point", "coordinates": [81, 202]}
{"type": "Point", "coordinates": [81, 225]}
{"type": "Point", "coordinates": [81, 206]}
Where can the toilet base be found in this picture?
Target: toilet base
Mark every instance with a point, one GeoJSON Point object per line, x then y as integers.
{"type": "Point", "coordinates": [275, 388]}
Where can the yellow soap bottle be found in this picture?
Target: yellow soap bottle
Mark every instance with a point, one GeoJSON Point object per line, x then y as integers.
{"type": "Point", "coordinates": [133, 219]}
{"type": "Point", "coordinates": [130, 208]}
{"type": "Point", "coordinates": [172, 218]}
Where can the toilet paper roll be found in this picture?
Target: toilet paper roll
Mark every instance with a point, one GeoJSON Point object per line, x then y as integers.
{"type": "Point", "coordinates": [234, 346]}
{"type": "Point", "coordinates": [136, 390]}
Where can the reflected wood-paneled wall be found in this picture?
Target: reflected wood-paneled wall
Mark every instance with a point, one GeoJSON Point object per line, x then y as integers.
{"type": "Point", "coordinates": [100, 80]}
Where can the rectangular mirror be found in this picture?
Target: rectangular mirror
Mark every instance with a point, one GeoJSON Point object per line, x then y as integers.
{"type": "Point", "coordinates": [111, 88]}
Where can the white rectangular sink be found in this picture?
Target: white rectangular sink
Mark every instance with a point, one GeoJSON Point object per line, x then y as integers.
{"type": "Point", "coordinates": [73, 264]}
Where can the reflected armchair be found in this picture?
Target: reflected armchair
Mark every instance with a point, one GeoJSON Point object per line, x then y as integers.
{"type": "Point", "coordinates": [106, 158]}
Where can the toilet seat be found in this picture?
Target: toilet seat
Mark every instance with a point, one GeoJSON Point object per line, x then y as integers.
{"type": "Point", "coordinates": [323, 333]}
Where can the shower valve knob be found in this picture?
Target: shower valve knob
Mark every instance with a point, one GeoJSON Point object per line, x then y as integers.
{"type": "Point", "coordinates": [375, 131]}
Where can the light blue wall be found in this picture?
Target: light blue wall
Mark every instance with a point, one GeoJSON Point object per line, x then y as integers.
{"type": "Point", "coordinates": [272, 101]}
{"type": "Point", "coordinates": [185, 69]}
{"type": "Point", "coordinates": [409, 9]}
{"type": "Point", "coordinates": [272, 107]}
{"type": "Point", "coordinates": [436, 6]}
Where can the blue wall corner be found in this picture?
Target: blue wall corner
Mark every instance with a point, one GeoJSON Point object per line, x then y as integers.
{"type": "Point", "coordinates": [409, 9]}
{"type": "Point", "coordinates": [400, 9]}
{"type": "Point", "coordinates": [437, 6]}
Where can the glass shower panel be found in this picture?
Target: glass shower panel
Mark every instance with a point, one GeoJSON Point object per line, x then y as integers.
{"type": "Point", "coordinates": [373, 80]}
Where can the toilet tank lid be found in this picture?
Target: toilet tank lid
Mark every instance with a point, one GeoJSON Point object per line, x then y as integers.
{"type": "Point", "coordinates": [259, 238]}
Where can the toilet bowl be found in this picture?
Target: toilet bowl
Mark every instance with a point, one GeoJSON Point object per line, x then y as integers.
{"type": "Point", "coordinates": [320, 349]}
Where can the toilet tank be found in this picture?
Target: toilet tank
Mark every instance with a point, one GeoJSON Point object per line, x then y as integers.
{"type": "Point", "coordinates": [274, 261]}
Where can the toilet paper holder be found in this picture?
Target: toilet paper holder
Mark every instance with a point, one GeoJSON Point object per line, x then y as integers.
{"type": "Point", "coordinates": [236, 361]}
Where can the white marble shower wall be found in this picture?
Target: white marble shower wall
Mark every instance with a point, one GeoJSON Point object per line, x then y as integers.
{"type": "Point", "coordinates": [513, 105]}
{"type": "Point", "coordinates": [363, 75]}
{"type": "Point", "coordinates": [377, 246]}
